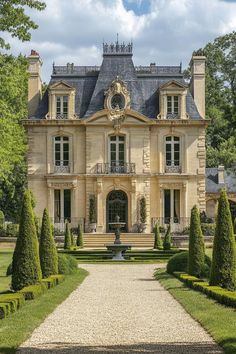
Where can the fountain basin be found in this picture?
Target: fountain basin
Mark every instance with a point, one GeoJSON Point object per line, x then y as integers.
{"type": "Point", "coordinates": [118, 250]}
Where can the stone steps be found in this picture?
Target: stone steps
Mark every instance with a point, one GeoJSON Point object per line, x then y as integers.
{"type": "Point", "coordinates": [136, 239]}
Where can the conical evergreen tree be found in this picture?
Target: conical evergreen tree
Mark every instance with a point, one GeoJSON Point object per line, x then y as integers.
{"type": "Point", "coordinates": [26, 264]}
{"type": "Point", "coordinates": [157, 237]}
{"type": "Point", "coordinates": [167, 239]}
{"type": "Point", "coordinates": [72, 238]}
{"type": "Point", "coordinates": [79, 240]}
{"type": "Point", "coordinates": [223, 268]}
{"type": "Point", "coordinates": [47, 248]}
{"type": "Point", "coordinates": [196, 254]}
{"type": "Point", "coordinates": [67, 242]}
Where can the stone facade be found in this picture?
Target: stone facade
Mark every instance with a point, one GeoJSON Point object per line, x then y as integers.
{"type": "Point", "coordinates": [118, 148]}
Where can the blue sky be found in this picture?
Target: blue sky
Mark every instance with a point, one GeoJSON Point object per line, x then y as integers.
{"type": "Point", "coordinates": [162, 31]}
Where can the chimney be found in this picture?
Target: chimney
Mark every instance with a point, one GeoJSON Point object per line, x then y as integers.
{"type": "Point", "coordinates": [197, 84]}
{"type": "Point", "coordinates": [221, 172]}
{"type": "Point", "coordinates": [34, 82]}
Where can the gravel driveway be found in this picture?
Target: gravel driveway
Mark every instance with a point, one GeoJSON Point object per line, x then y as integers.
{"type": "Point", "coordinates": [120, 309]}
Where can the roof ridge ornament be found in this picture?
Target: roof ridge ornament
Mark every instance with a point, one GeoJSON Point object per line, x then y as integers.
{"type": "Point", "coordinates": [117, 48]}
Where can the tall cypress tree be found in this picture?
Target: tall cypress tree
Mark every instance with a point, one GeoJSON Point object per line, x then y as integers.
{"type": "Point", "coordinates": [196, 254]}
{"type": "Point", "coordinates": [79, 240]}
{"type": "Point", "coordinates": [47, 248]}
{"type": "Point", "coordinates": [167, 239]}
{"type": "Point", "coordinates": [157, 237]}
{"type": "Point", "coordinates": [67, 241]}
{"type": "Point", "coordinates": [223, 268]}
{"type": "Point", "coordinates": [26, 264]}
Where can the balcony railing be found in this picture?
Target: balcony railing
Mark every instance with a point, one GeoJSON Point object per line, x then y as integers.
{"type": "Point", "coordinates": [172, 166]}
{"type": "Point", "coordinates": [62, 167]}
{"type": "Point", "coordinates": [115, 167]}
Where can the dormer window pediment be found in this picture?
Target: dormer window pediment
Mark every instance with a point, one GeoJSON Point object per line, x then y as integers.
{"type": "Point", "coordinates": [61, 101]}
{"type": "Point", "coordinates": [172, 100]}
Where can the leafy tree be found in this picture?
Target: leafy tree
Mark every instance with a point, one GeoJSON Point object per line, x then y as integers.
{"type": "Point", "coordinates": [157, 237]}
{"type": "Point", "coordinates": [196, 255]}
{"type": "Point", "coordinates": [167, 239]}
{"type": "Point", "coordinates": [47, 248]}
{"type": "Point", "coordinates": [223, 269]}
{"type": "Point", "coordinates": [67, 241]}
{"type": "Point", "coordinates": [26, 264]}
{"type": "Point", "coordinates": [220, 99]}
{"type": "Point", "coordinates": [2, 218]}
{"type": "Point", "coordinates": [15, 21]}
{"type": "Point", "coordinates": [79, 240]}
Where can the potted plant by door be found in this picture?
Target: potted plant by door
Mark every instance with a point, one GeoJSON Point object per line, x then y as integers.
{"type": "Point", "coordinates": [143, 214]}
{"type": "Point", "coordinates": [92, 214]}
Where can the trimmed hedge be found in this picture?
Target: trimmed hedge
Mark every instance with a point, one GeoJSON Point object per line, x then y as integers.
{"type": "Point", "coordinates": [53, 280]}
{"type": "Point", "coordinates": [5, 310]}
{"type": "Point", "coordinates": [223, 296]}
{"type": "Point", "coordinates": [31, 292]}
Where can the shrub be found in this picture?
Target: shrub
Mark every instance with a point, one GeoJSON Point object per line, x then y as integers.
{"type": "Point", "coordinates": [143, 210]}
{"type": "Point", "coordinates": [12, 230]}
{"type": "Point", "coordinates": [196, 255]}
{"type": "Point", "coordinates": [66, 264]}
{"type": "Point", "coordinates": [26, 264]}
{"type": "Point", "coordinates": [67, 241]}
{"type": "Point", "coordinates": [157, 237]}
{"type": "Point", "coordinates": [167, 239]}
{"type": "Point", "coordinates": [5, 310]}
{"type": "Point", "coordinates": [47, 248]}
{"type": "Point", "coordinates": [208, 229]}
{"type": "Point", "coordinates": [179, 263]}
{"type": "Point", "coordinates": [223, 269]}
{"type": "Point", "coordinates": [79, 240]}
{"type": "Point", "coordinates": [235, 225]}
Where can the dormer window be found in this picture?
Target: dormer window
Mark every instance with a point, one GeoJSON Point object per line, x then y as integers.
{"type": "Point", "coordinates": [61, 101]}
{"type": "Point", "coordinates": [172, 100]}
{"type": "Point", "coordinates": [62, 107]}
{"type": "Point", "coordinates": [172, 107]}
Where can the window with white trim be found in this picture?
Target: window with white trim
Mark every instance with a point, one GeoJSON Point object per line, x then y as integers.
{"type": "Point", "coordinates": [172, 151]}
{"type": "Point", "coordinates": [61, 153]}
{"type": "Point", "coordinates": [62, 107]}
{"type": "Point", "coordinates": [172, 107]}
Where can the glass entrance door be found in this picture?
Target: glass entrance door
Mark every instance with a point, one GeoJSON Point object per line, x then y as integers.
{"type": "Point", "coordinates": [117, 204]}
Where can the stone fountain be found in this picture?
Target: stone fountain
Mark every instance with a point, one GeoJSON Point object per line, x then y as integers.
{"type": "Point", "coordinates": [118, 248]}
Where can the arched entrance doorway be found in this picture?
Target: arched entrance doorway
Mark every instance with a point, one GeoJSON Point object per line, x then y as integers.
{"type": "Point", "coordinates": [117, 204]}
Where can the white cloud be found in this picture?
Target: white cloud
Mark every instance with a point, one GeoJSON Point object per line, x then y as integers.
{"type": "Point", "coordinates": [73, 31]}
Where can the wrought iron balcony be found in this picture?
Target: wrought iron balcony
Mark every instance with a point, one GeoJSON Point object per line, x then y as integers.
{"type": "Point", "coordinates": [115, 167]}
{"type": "Point", "coordinates": [62, 167]}
{"type": "Point", "coordinates": [172, 167]}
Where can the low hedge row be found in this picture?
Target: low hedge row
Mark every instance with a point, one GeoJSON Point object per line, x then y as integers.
{"type": "Point", "coordinates": [10, 302]}
{"type": "Point", "coordinates": [219, 294]}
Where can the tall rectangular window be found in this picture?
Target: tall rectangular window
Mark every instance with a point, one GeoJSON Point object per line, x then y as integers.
{"type": "Point", "coordinates": [61, 151]}
{"type": "Point", "coordinates": [62, 205]}
{"type": "Point", "coordinates": [62, 107]}
{"type": "Point", "coordinates": [172, 151]}
{"type": "Point", "coordinates": [172, 106]}
{"type": "Point", "coordinates": [171, 206]}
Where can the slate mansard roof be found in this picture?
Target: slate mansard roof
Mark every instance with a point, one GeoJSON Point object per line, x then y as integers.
{"type": "Point", "coordinates": [143, 83]}
{"type": "Point", "coordinates": [212, 184]}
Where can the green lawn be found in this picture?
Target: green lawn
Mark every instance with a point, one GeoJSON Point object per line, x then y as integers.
{"type": "Point", "coordinates": [218, 320]}
{"type": "Point", "coordinates": [16, 328]}
{"type": "Point", "coordinates": [5, 260]}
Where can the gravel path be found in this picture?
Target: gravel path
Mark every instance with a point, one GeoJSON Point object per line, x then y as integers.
{"type": "Point", "coordinates": [120, 309]}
